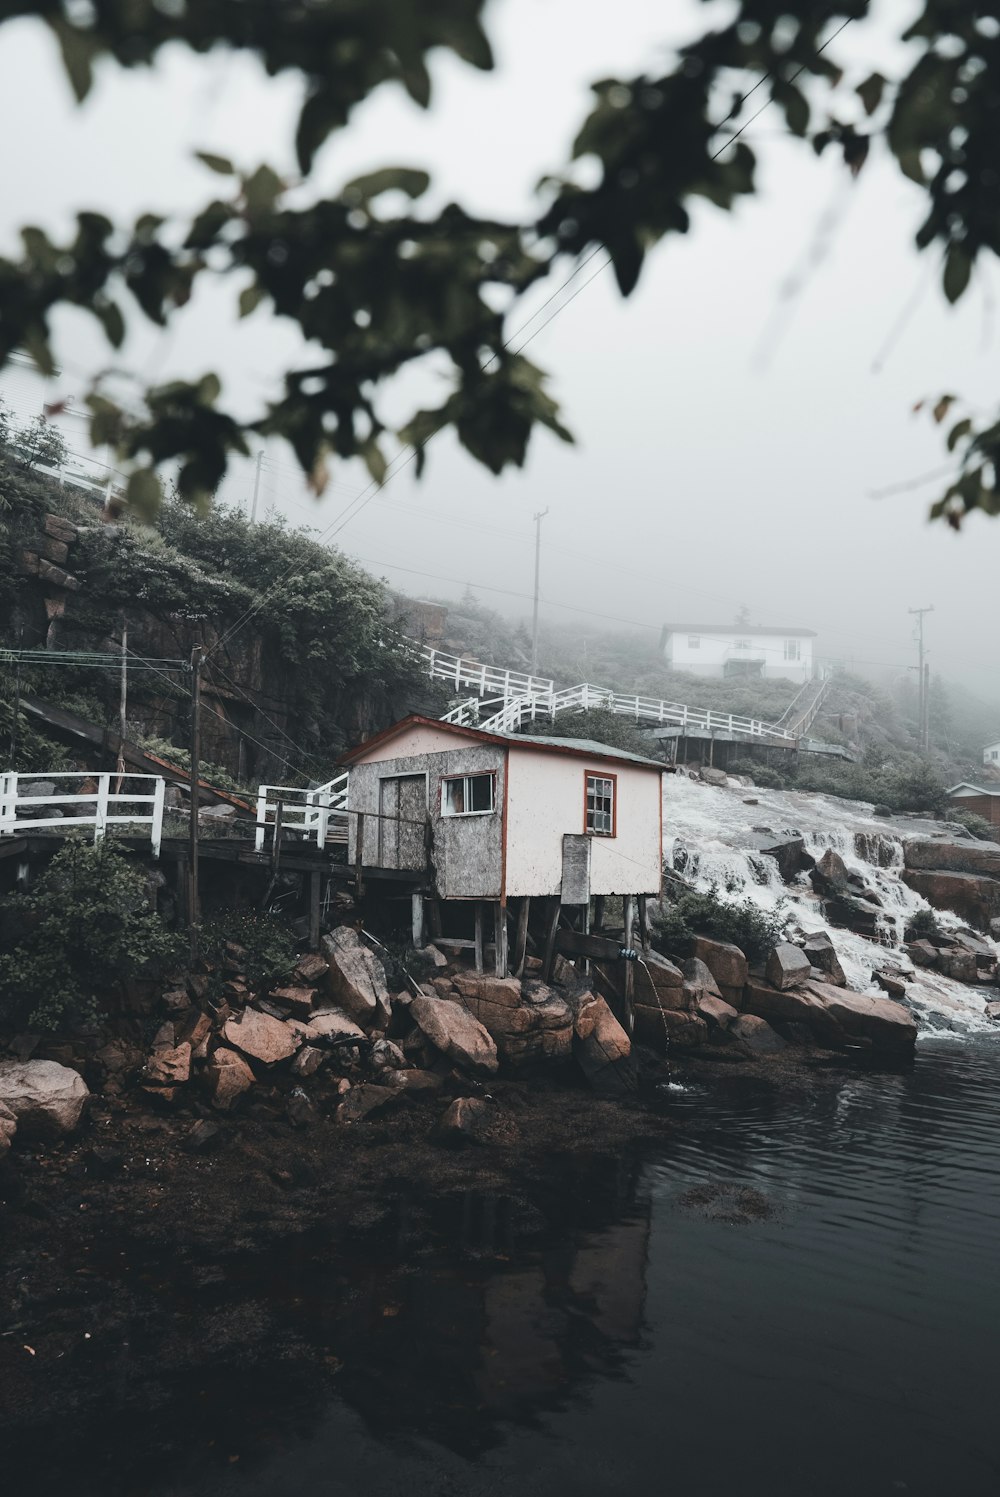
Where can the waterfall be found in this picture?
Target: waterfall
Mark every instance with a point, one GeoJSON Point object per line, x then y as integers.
{"type": "Point", "coordinates": [711, 836]}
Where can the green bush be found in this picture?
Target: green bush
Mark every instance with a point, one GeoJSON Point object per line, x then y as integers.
{"type": "Point", "coordinates": [977, 825]}
{"type": "Point", "coordinates": [77, 937]}
{"type": "Point", "coordinates": [745, 924]}
{"type": "Point", "coordinates": [267, 950]}
{"type": "Point", "coordinates": [764, 775]}
{"type": "Point", "coordinates": [922, 926]}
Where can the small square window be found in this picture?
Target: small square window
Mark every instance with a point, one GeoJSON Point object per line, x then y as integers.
{"type": "Point", "coordinates": [468, 795]}
{"type": "Point", "coordinates": [792, 651]}
{"type": "Point", "coordinates": [601, 808]}
{"type": "Point", "coordinates": [742, 644]}
{"type": "Point", "coordinates": [694, 641]}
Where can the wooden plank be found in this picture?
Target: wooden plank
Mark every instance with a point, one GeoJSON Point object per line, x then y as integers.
{"type": "Point", "coordinates": [578, 943]}
{"type": "Point", "coordinates": [644, 921]}
{"type": "Point", "coordinates": [629, 983]}
{"type": "Point", "coordinates": [315, 896]}
{"type": "Point", "coordinates": [500, 939]}
{"type": "Point", "coordinates": [359, 852]}
{"type": "Point", "coordinates": [521, 938]}
{"type": "Point", "coordinates": [598, 912]}
{"type": "Point", "coordinates": [417, 900]}
{"type": "Point", "coordinates": [576, 868]}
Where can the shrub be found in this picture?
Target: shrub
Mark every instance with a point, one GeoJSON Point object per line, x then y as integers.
{"type": "Point", "coordinates": [977, 825]}
{"type": "Point", "coordinates": [84, 931]}
{"type": "Point", "coordinates": [267, 946]}
{"type": "Point", "coordinates": [764, 775]}
{"type": "Point", "coordinates": [745, 924]}
{"type": "Point", "coordinates": [922, 926]}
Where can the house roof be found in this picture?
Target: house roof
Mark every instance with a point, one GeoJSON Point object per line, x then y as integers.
{"type": "Point", "coordinates": [739, 629]}
{"type": "Point", "coordinates": [580, 748]}
{"type": "Point", "coordinates": [968, 785]}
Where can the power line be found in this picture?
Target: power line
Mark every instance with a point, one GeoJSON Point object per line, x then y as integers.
{"type": "Point", "coordinates": [358, 504]}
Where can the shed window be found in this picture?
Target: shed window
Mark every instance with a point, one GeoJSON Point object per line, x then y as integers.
{"type": "Point", "coordinates": [601, 810]}
{"type": "Point", "coordinates": [741, 644]}
{"type": "Point", "coordinates": [791, 649]}
{"type": "Point", "coordinates": [694, 641]}
{"type": "Point", "coordinates": [468, 795]}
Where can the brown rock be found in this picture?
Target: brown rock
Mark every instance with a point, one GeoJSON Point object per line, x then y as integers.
{"type": "Point", "coordinates": [658, 983]}
{"type": "Point", "coordinates": [417, 1082]}
{"type": "Point", "coordinates": [792, 1006]}
{"type": "Point", "coordinates": [660, 1028]}
{"type": "Point", "coordinates": [822, 954]}
{"type": "Point", "coordinates": [361, 1101]}
{"type": "Point", "coordinates": [503, 992]}
{"type": "Point", "coordinates": [60, 529]}
{"type": "Point", "coordinates": [699, 978]}
{"type": "Point", "coordinates": [953, 857]}
{"type": "Point", "coordinates": [262, 1038]}
{"type": "Point", "coordinates": [922, 952]}
{"type": "Point", "coordinates": [298, 1001]}
{"type": "Point", "coordinates": [467, 1120]}
{"type": "Point", "coordinates": [890, 982]}
{"type": "Point", "coordinates": [787, 965]}
{"type": "Point", "coordinates": [886, 1024]}
{"type": "Point", "coordinates": [46, 1098]}
{"type": "Point", "coordinates": [196, 1031]}
{"type": "Point", "coordinates": [8, 1127]}
{"type": "Point", "coordinates": [357, 977]}
{"type": "Point", "coordinates": [972, 896]}
{"type": "Point", "coordinates": [715, 1011]}
{"type": "Point", "coordinates": [176, 1001]}
{"type": "Point", "coordinates": [27, 563]}
{"type": "Point", "coordinates": [955, 963]}
{"type": "Point", "coordinates": [433, 955]}
{"type": "Point", "coordinates": [443, 987]}
{"type": "Point", "coordinates": [308, 1061]}
{"type": "Point", "coordinates": [53, 550]}
{"type": "Point", "coordinates": [725, 961]}
{"type": "Point", "coordinates": [168, 1066]}
{"type": "Point", "coordinates": [601, 1047]}
{"type": "Point", "coordinates": [56, 577]}
{"type": "Point", "coordinates": [311, 969]}
{"type": "Point", "coordinates": [331, 1024]}
{"type": "Point", "coordinates": [456, 1033]}
{"type": "Point", "coordinates": [830, 874]}
{"type": "Point", "coordinates": [227, 1076]}
{"type": "Point", "coordinates": [756, 1036]}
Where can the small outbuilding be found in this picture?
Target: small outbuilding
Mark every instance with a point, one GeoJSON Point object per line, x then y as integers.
{"type": "Point", "coordinates": [982, 800]}
{"type": "Point", "coordinates": [500, 819]}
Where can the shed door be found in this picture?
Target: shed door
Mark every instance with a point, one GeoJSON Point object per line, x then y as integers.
{"type": "Point", "coordinates": [402, 805]}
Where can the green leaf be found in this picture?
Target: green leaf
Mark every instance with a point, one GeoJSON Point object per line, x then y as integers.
{"type": "Point", "coordinates": [911, 166]}
{"type": "Point", "coordinates": [77, 54]}
{"type": "Point", "coordinates": [942, 408]}
{"type": "Point", "coordinates": [143, 493]}
{"type": "Point", "coordinates": [250, 298]}
{"type": "Point", "coordinates": [374, 459]}
{"type": "Point", "coordinates": [406, 179]}
{"type": "Point", "coordinates": [870, 92]}
{"type": "Point", "coordinates": [957, 270]}
{"type": "Point", "coordinates": [220, 164]}
{"type": "Point", "coordinates": [959, 430]}
{"type": "Point", "coordinates": [110, 317]}
{"type": "Point", "coordinates": [261, 190]}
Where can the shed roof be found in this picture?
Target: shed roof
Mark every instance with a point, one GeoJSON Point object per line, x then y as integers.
{"type": "Point", "coordinates": [580, 748]}
{"type": "Point", "coordinates": [968, 785]}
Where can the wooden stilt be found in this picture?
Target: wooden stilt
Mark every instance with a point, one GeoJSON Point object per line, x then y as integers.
{"type": "Point", "coordinates": [315, 899]}
{"type": "Point", "coordinates": [629, 983]}
{"type": "Point", "coordinates": [521, 938]}
{"type": "Point", "coordinates": [417, 905]}
{"type": "Point", "coordinates": [643, 901]}
{"type": "Point", "coordinates": [479, 937]}
{"type": "Point", "coordinates": [500, 939]}
{"type": "Point", "coordinates": [598, 924]}
{"type": "Point", "coordinates": [551, 926]}
{"type": "Point", "coordinates": [434, 913]}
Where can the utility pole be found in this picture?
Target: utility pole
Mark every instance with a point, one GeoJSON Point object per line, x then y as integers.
{"type": "Point", "coordinates": [194, 909]}
{"type": "Point", "coordinates": [122, 709]}
{"type": "Point", "coordinates": [927, 708]}
{"type": "Point", "coordinates": [538, 569]}
{"type": "Point", "coordinates": [256, 487]}
{"type": "Point", "coordinates": [922, 713]}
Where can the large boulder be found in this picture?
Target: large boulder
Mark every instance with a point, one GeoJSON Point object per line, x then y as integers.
{"type": "Point", "coordinates": [501, 992]}
{"type": "Point", "coordinates": [727, 964]}
{"type": "Point", "coordinates": [168, 1065]}
{"type": "Point", "coordinates": [755, 1036]}
{"type": "Point", "coordinates": [362, 1101]}
{"type": "Point", "coordinates": [788, 850]}
{"type": "Point", "coordinates": [713, 776]}
{"type": "Point", "coordinates": [601, 1047]}
{"type": "Point", "coordinates": [787, 966]}
{"type": "Point", "coordinates": [658, 983]}
{"type": "Point", "coordinates": [8, 1127]}
{"type": "Point", "coordinates": [456, 1033]}
{"type": "Point", "coordinates": [698, 979]}
{"type": "Point", "coordinates": [822, 954]}
{"type": "Point", "coordinates": [830, 874]}
{"type": "Point", "coordinates": [957, 964]}
{"type": "Point", "coordinates": [792, 1006]}
{"type": "Point", "coordinates": [852, 913]}
{"type": "Point", "coordinates": [331, 1025]}
{"type": "Point", "coordinates": [660, 1029]}
{"type": "Point", "coordinates": [972, 896]}
{"type": "Point", "coordinates": [227, 1077]}
{"type": "Point", "coordinates": [357, 978]}
{"type": "Point", "coordinates": [885, 1024]}
{"type": "Point", "coordinates": [46, 1098]}
{"type": "Point", "coordinates": [953, 857]}
{"type": "Point", "coordinates": [262, 1037]}
{"type": "Point", "coordinates": [923, 953]}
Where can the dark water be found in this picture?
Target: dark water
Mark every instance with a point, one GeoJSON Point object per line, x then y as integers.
{"type": "Point", "coordinates": [794, 1295]}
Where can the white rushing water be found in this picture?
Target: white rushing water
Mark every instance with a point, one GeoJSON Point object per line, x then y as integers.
{"type": "Point", "coordinates": [709, 837]}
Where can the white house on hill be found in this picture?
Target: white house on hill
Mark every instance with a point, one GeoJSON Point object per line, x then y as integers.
{"type": "Point", "coordinates": [991, 755]}
{"type": "Point", "coordinates": [739, 650]}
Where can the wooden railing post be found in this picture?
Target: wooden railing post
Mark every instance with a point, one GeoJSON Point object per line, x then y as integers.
{"type": "Point", "coordinates": [101, 809]}
{"type": "Point", "coordinates": [156, 829]}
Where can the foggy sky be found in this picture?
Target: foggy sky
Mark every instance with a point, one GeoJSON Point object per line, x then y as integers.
{"type": "Point", "coordinates": [729, 435]}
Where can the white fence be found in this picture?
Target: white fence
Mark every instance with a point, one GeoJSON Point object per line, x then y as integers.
{"type": "Point", "coordinates": [309, 815]}
{"type": "Point", "coordinates": [519, 698]}
{"type": "Point", "coordinates": [139, 802]}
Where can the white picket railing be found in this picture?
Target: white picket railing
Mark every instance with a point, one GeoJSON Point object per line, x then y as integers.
{"type": "Point", "coordinates": [522, 697]}
{"type": "Point", "coordinates": [315, 815]}
{"type": "Point", "coordinates": [99, 808]}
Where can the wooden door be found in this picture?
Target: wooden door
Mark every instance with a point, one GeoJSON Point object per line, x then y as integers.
{"type": "Point", "coordinates": [402, 805]}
